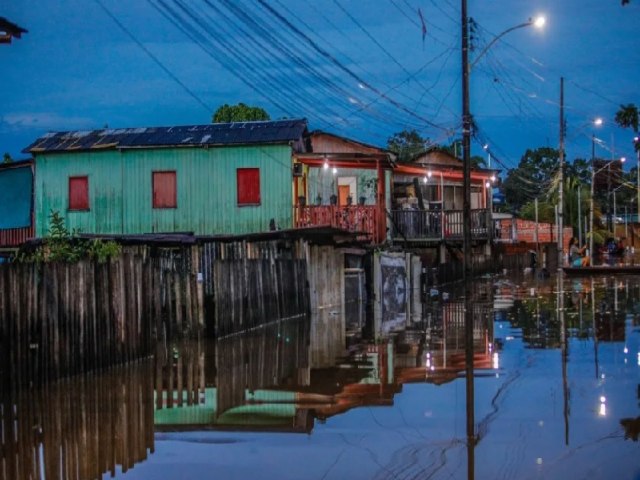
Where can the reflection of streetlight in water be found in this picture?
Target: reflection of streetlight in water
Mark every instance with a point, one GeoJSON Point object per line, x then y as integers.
{"type": "Point", "coordinates": [603, 406]}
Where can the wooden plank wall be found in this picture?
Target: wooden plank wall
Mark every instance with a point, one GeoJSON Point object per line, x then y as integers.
{"type": "Point", "coordinates": [326, 290]}
{"type": "Point", "coordinates": [248, 284]}
{"type": "Point", "coordinates": [179, 374]}
{"type": "Point", "coordinates": [80, 428]}
{"type": "Point", "coordinates": [60, 319]}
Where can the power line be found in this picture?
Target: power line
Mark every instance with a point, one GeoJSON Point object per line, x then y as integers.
{"type": "Point", "coordinates": [343, 68]}
{"type": "Point", "coordinates": [191, 93]}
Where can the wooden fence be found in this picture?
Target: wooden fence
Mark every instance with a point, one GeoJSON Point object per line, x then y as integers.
{"type": "Point", "coordinates": [78, 429]}
{"type": "Point", "coordinates": [247, 284]}
{"type": "Point", "coordinates": [59, 319]}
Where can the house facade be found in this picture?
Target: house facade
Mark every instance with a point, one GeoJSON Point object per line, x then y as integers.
{"type": "Point", "coordinates": [16, 204]}
{"type": "Point", "coordinates": [343, 183]}
{"type": "Point", "coordinates": [427, 199]}
{"type": "Point", "coordinates": [207, 179]}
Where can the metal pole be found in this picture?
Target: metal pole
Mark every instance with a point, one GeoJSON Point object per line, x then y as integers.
{"type": "Point", "coordinates": [561, 186]}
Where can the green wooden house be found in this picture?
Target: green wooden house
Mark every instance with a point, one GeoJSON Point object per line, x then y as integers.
{"type": "Point", "coordinates": [208, 179]}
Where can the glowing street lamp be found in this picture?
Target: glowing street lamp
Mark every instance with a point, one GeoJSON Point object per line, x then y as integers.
{"type": "Point", "coordinates": [537, 22]}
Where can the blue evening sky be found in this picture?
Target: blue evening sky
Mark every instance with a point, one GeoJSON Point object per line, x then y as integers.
{"type": "Point", "coordinates": [356, 68]}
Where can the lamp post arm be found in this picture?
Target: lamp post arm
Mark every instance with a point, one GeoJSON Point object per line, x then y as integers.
{"type": "Point", "coordinates": [495, 39]}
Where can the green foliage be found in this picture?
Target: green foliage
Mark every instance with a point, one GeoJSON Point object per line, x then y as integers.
{"type": "Point", "coordinates": [59, 245]}
{"type": "Point", "coordinates": [627, 117]}
{"type": "Point", "coordinates": [546, 211]}
{"type": "Point", "coordinates": [407, 144]}
{"type": "Point", "coordinates": [455, 150]}
{"type": "Point", "coordinates": [6, 158]}
{"type": "Point", "coordinates": [530, 178]}
{"type": "Point", "coordinates": [239, 113]}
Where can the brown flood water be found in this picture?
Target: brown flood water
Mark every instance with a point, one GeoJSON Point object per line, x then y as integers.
{"type": "Point", "coordinates": [555, 393]}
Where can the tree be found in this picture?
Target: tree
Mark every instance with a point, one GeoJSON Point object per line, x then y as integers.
{"type": "Point", "coordinates": [6, 158]}
{"type": "Point", "coordinates": [579, 169]}
{"type": "Point", "coordinates": [455, 149]}
{"type": "Point", "coordinates": [627, 117]}
{"type": "Point", "coordinates": [239, 113]}
{"type": "Point", "coordinates": [407, 144]}
{"type": "Point", "coordinates": [531, 178]}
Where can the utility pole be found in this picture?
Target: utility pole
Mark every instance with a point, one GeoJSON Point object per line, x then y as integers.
{"type": "Point", "coordinates": [466, 146]}
{"type": "Point", "coordinates": [466, 244]}
{"type": "Point", "coordinates": [579, 217]}
{"type": "Point", "coordinates": [561, 186]}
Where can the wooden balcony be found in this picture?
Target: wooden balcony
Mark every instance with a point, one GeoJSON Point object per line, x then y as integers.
{"type": "Point", "coordinates": [362, 219]}
{"type": "Point", "coordinates": [434, 226]}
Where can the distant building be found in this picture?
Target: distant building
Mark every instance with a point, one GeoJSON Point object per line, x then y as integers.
{"type": "Point", "coordinates": [9, 30]}
{"type": "Point", "coordinates": [230, 178]}
{"type": "Point", "coordinates": [16, 204]}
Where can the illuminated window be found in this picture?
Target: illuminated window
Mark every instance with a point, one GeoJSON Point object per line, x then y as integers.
{"type": "Point", "coordinates": [79, 193]}
{"type": "Point", "coordinates": [248, 186]}
{"type": "Point", "coordinates": [164, 190]}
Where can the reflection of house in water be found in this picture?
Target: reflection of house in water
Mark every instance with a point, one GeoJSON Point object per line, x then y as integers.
{"type": "Point", "coordinates": [442, 357]}
{"type": "Point", "coordinates": [266, 378]}
{"type": "Point", "coordinates": [248, 380]}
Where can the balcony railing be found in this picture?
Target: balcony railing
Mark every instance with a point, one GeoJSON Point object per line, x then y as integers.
{"type": "Point", "coordinates": [434, 225]}
{"type": "Point", "coordinates": [14, 237]}
{"type": "Point", "coordinates": [354, 218]}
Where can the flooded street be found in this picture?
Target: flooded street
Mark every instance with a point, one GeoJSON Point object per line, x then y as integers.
{"type": "Point", "coordinates": [555, 394]}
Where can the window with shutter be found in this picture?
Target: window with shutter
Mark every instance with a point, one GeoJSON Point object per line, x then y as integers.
{"type": "Point", "coordinates": [164, 190]}
{"type": "Point", "coordinates": [248, 186]}
{"type": "Point", "coordinates": [79, 193]}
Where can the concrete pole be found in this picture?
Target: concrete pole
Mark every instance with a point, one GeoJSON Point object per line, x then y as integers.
{"type": "Point", "coordinates": [593, 177]}
{"type": "Point", "coordinates": [561, 186]}
{"type": "Point", "coordinates": [535, 233]}
{"type": "Point", "coordinates": [579, 217]}
{"type": "Point", "coordinates": [626, 219]}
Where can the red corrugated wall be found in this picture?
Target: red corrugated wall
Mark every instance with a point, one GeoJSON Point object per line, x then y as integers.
{"type": "Point", "coordinates": [14, 237]}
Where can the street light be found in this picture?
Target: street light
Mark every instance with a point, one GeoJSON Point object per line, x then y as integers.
{"type": "Point", "coordinates": [467, 66]}
{"type": "Point", "coordinates": [537, 22]}
{"type": "Point", "coordinates": [593, 176]}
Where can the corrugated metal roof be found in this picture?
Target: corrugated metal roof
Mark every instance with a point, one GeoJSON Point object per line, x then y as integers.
{"type": "Point", "coordinates": [238, 133]}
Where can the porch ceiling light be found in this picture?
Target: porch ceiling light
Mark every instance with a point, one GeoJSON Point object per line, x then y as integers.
{"type": "Point", "coordinates": [326, 164]}
{"type": "Point", "coordinates": [487, 184]}
{"type": "Point", "coordinates": [429, 173]}
{"type": "Point", "coordinates": [335, 170]}
{"type": "Point", "coordinates": [425, 179]}
{"type": "Point", "coordinates": [493, 178]}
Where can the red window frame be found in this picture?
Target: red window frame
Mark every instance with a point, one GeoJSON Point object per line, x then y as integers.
{"type": "Point", "coordinates": [79, 193]}
{"type": "Point", "coordinates": [248, 186]}
{"type": "Point", "coordinates": [164, 189]}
